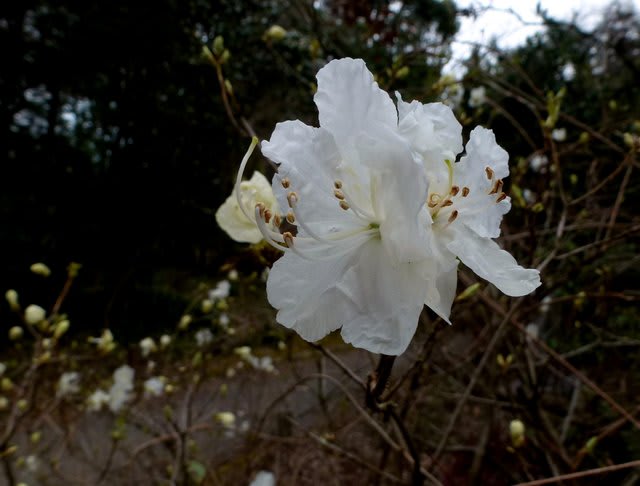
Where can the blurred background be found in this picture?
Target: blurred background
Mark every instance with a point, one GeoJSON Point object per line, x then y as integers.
{"type": "Point", "coordinates": [122, 126]}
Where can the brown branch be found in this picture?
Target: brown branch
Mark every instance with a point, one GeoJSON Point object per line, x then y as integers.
{"type": "Point", "coordinates": [582, 474]}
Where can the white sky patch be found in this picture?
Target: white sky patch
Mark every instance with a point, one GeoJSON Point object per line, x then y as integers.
{"type": "Point", "coordinates": [511, 22]}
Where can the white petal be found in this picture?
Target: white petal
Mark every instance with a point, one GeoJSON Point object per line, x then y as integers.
{"type": "Point", "coordinates": [305, 292]}
{"type": "Point", "coordinates": [307, 157]}
{"type": "Point", "coordinates": [398, 191]}
{"type": "Point", "coordinates": [432, 129]}
{"type": "Point", "coordinates": [348, 100]}
{"type": "Point", "coordinates": [489, 261]}
{"type": "Point", "coordinates": [442, 281]}
{"type": "Point", "coordinates": [386, 301]}
{"type": "Point", "coordinates": [482, 151]}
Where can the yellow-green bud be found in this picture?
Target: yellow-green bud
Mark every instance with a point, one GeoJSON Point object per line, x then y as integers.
{"type": "Point", "coordinates": [22, 405]}
{"type": "Point", "coordinates": [402, 73]}
{"type": "Point", "coordinates": [218, 45]}
{"type": "Point", "coordinates": [34, 314]}
{"type": "Point", "coordinates": [61, 328]}
{"type": "Point", "coordinates": [15, 333]}
{"type": "Point", "coordinates": [4, 403]}
{"type": "Point", "coordinates": [228, 86]}
{"type": "Point", "coordinates": [206, 306]}
{"type": "Point", "coordinates": [275, 33]}
{"type": "Point", "coordinates": [185, 320]}
{"type": "Point", "coordinates": [227, 419]}
{"type": "Point", "coordinates": [6, 385]}
{"type": "Point", "coordinates": [517, 431]}
{"type": "Point", "coordinates": [12, 298]}
{"type": "Point", "coordinates": [35, 437]}
{"type": "Point", "coordinates": [41, 269]}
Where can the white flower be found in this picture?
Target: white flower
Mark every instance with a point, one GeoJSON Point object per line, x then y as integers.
{"type": "Point", "coordinates": [224, 320]}
{"type": "Point", "coordinates": [147, 346]}
{"type": "Point", "coordinates": [32, 463]}
{"type": "Point", "coordinates": [34, 314]}
{"type": "Point", "coordinates": [154, 386]}
{"type": "Point", "coordinates": [221, 290]}
{"type": "Point", "coordinates": [568, 72]}
{"type": "Point", "coordinates": [204, 337]}
{"type": "Point", "coordinates": [264, 478]}
{"type": "Point", "coordinates": [165, 340]}
{"type": "Point", "coordinates": [121, 390]}
{"type": "Point", "coordinates": [68, 384]}
{"type": "Point", "coordinates": [232, 219]}
{"type": "Point", "coordinates": [233, 275]}
{"type": "Point", "coordinates": [97, 400]}
{"type": "Point", "coordinates": [105, 342]}
{"type": "Point", "coordinates": [559, 134]}
{"type": "Point", "coordinates": [227, 419]}
{"type": "Point", "coordinates": [382, 213]}
{"type": "Point", "coordinates": [529, 196]}
{"type": "Point", "coordinates": [538, 163]}
{"type": "Point", "coordinates": [477, 97]}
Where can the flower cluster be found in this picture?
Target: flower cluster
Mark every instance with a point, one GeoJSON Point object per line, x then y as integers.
{"type": "Point", "coordinates": [378, 212]}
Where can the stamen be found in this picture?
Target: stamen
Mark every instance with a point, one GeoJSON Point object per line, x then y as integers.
{"type": "Point", "coordinates": [489, 172]}
{"type": "Point", "coordinates": [453, 216]}
{"type": "Point", "coordinates": [285, 182]}
{"type": "Point", "coordinates": [339, 194]}
{"type": "Point", "coordinates": [448, 202]}
{"type": "Point", "coordinates": [267, 215]}
{"type": "Point", "coordinates": [338, 184]}
{"type": "Point", "coordinates": [271, 237]}
{"type": "Point", "coordinates": [454, 190]}
{"type": "Point", "coordinates": [292, 198]}
{"type": "Point", "coordinates": [260, 208]}
{"type": "Point", "coordinates": [497, 187]}
{"type": "Point", "coordinates": [465, 191]}
{"type": "Point", "coordinates": [344, 205]}
{"type": "Point", "coordinates": [288, 239]}
{"type": "Point", "coordinates": [501, 197]}
{"type": "Point", "coordinates": [291, 217]}
{"type": "Point", "coordinates": [277, 220]}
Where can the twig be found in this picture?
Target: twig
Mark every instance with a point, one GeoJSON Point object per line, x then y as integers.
{"type": "Point", "coordinates": [582, 474]}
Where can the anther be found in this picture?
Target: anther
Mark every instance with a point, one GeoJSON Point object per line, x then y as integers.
{"type": "Point", "coordinates": [292, 198]}
{"type": "Point", "coordinates": [285, 182]}
{"type": "Point", "coordinates": [339, 194]}
{"type": "Point", "coordinates": [288, 238]}
{"type": "Point", "coordinates": [497, 187]}
{"type": "Point", "coordinates": [291, 217]}
{"type": "Point", "coordinates": [465, 191]}
{"type": "Point", "coordinates": [261, 208]}
{"type": "Point", "coordinates": [454, 190]}
{"type": "Point", "coordinates": [448, 202]}
{"type": "Point", "coordinates": [338, 184]}
{"type": "Point", "coordinates": [501, 197]}
{"type": "Point", "coordinates": [267, 216]}
{"type": "Point", "coordinates": [453, 216]}
{"type": "Point", "coordinates": [277, 220]}
{"type": "Point", "coordinates": [344, 205]}
{"type": "Point", "coordinates": [489, 172]}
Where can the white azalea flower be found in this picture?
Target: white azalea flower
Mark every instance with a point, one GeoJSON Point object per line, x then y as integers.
{"type": "Point", "coordinates": [264, 478]}
{"type": "Point", "coordinates": [154, 386]}
{"type": "Point", "coordinates": [539, 163]}
{"type": "Point", "coordinates": [232, 219]}
{"type": "Point", "coordinates": [381, 211]}
{"type": "Point", "coordinates": [68, 384]}
{"type": "Point", "coordinates": [147, 346]}
{"type": "Point", "coordinates": [221, 290]}
{"type": "Point", "coordinates": [204, 337]}
{"type": "Point", "coordinates": [121, 390]}
{"type": "Point", "coordinates": [97, 400]}
{"type": "Point", "coordinates": [559, 134]}
{"type": "Point", "coordinates": [477, 97]}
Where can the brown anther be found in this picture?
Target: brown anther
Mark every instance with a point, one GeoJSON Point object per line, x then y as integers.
{"type": "Point", "coordinates": [260, 207]}
{"type": "Point", "coordinates": [288, 238]}
{"type": "Point", "coordinates": [292, 198]}
{"type": "Point", "coordinates": [448, 202]}
{"type": "Point", "coordinates": [267, 215]}
{"type": "Point", "coordinates": [497, 187]}
{"type": "Point", "coordinates": [455, 190]}
{"type": "Point", "coordinates": [291, 217]}
{"type": "Point", "coordinates": [453, 216]}
{"type": "Point", "coordinates": [465, 191]}
{"type": "Point", "coordinates": [344, 205]}
{"type": "Point", "coordinates": [339, 194]}
{"type": "Point", "coordinates": [285, 182]}
{"type": "Point", "coordinates": [277, 220]}
{"type": "Point", "coordinates": [338, 184]}
{"type": "Point", "coordinates": [501, 197]}
{"type": "Point", "coordinates": [489, 172]}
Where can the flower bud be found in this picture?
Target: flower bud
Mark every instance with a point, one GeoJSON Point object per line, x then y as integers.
{"type": "Point", "coordinates": [22, 405]}
{"type": "Point", "coordinates": [4, 403]}
{"type": "Point", "coordinates": [517, 431]}
{"type": "Point", "coordinates": [34, 314]}
{"type": "Point", "coordinates": [227, 419]}
{"type": "Point", "coordinates": [206, 306]}
{"type": "Point", "coordinates": [185, 320]}
{"type": "Point", "coordinates": [6, 385]}
{"type": "Point", "coordinates": [61, 328]}
{"type": "Point", "coordinates": [12, 298]}
{"type": "Point", "coordinates": [165, 340]}
{"type": "Point", "coordinates": [218, 45]}
{"type": "Point", "coordinates": [275, 33]}
{"type": "Point", "coordinates": [15, 333]}
{"type": "Point", "coordinates": [40, 269]}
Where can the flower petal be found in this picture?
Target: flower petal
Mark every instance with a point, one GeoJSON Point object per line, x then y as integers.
{"type": "Point", "coordinates": [386, 301]}
{"type": "Point", "coordinates": [442, 280]}
{"type": "Point", "coordinates": [307, 157]}
{"type": "Point", "coordinates": [489, 261]}
{"type": "Point", "coordinates": [348, 100]}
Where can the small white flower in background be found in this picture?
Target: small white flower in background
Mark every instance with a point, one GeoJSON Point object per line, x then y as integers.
{"type": "Point", "coordinates": [97, 400]}
{"type": "Point", "coordinates": [264, 478]}
{"type": "Point", "coordinates": [34, 314]}
{"type": "Point", "coordinates": [204, 337]}
{"type": "Point", "coordinates": [559, 134]}
{"type": "Point", "coordinates": [243, 351]}
{"type": "Point", "coordinates": [121, 391]}
{"type": "Point", "coordinates": [539, 163]}
{"type": "Point", "coordinates": [105, 342]}
{"type": "Point", "coordinates": [226, 419]}
{"type": "Point", "coordinates": [147, 346]}
{"type": "Point", "coordinates": [477, 97]}
{"type": "Point", "coordinates": [233, 275]}
{"type": "Point", "coordinates": [165, 340]}
{"type": "Point", "coordinates": [154, 386]}
{"type": "Point", "coordinates": [533, 329]}
{"type": "Point", "coordinates": [529, 196]}
{"type": "Point", "coordinates": [32, 463]}
{"type": "Point", "coordinates": [568, 72]}
{"type": "Point", "coordinates": [40, 269]}
{"type": "Point", "coordinates": [221, 290]}
{"type": "Point", "coordinates": [68, 384]}
{"type": "Point", "coordinates": [232, 219]}
{"type": "Point", "coordinates": [545, 304]}
{"type": "Point", "coordinates": [224, 320]}
{"type": "Point", "coordinates": [12, 299]}
{"type": "Point", "coordinates": [264, 363]}
{"type": "Point", "coordinates": [382, 213]}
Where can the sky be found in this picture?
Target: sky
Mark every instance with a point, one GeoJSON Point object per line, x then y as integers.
{"type": "Point", "coordinates": [511, 29]}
